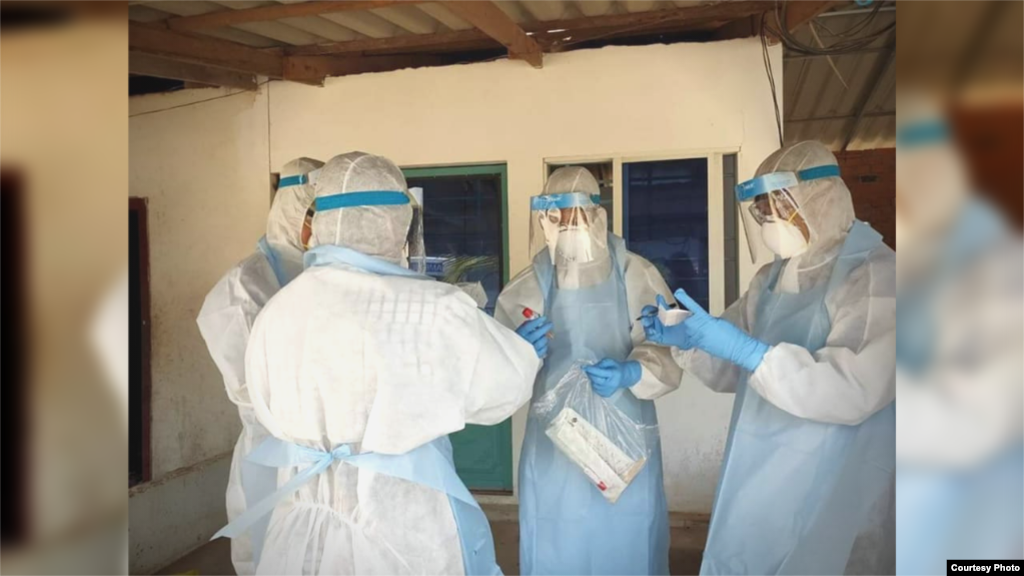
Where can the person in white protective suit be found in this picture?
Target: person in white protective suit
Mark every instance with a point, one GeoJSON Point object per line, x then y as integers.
{"type": "Point", "coordinates": [587, 290]}
{"type": "Point", "coordinates": [230, 309]}
{"type": "Point", "coordinates": [359, 369]}
{"type": "Point", "coordinates": [960, 421]}
{"type": "Point", "coordinates": [806, 485]}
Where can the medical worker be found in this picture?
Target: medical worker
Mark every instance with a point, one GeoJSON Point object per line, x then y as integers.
{"type": "Point", "coordinates": [359, 369]}
{"type": "Point", "coordinates": [806, 485]}
{"type": "Point", "coordinates": [230, 309]}
{"type": "Point", "coordinates": [960, 421]}
{"type": "Point", "coordinates": [586, 291]}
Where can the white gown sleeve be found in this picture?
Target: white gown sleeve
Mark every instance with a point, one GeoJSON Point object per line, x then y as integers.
{"type": "Point", "coordinates": [853, 375]}
{"type": "Point", "coordinates": [502, 381]}
{"type": "Point", "coordinates": [521, 292]}
{"type": "Point", "coordinates": [226, 319]}
{"type": "Point", "coordinates": [660, 373]}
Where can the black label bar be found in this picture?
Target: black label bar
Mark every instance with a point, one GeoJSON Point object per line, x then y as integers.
{"type": "Point", "coordinates": [960, 567]}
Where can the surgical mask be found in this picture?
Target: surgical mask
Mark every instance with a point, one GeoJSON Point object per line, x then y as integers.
{"type": "Point", "coordinates": [574, 245]}
{"type": "Point", "coordinates": [783, 238]}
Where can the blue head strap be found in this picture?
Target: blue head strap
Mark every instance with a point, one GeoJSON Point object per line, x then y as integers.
{"type": "Point", "coordinates": [921, 134]}
{"type": "Point", "coordinates": [298, 179]}
{"type": "Point", "coordinates": [354, 199]}
{"type": "Point", "coordinates": [778, 180]}
{"type": "Point", "coordinates": [564, 200]}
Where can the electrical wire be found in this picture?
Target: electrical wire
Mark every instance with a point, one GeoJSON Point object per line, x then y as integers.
{"type": "Point", "coordinates": [771, 77]}
{"type": "Point", "coordinates": [850, 40]}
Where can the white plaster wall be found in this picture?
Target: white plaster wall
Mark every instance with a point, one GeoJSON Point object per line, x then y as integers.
{"type": "Point", "coordinates": [630, 102]}
{"type": "Point", "coordinates": [200, 158]}
{"type": "Point", "coordinates": [172, 516]}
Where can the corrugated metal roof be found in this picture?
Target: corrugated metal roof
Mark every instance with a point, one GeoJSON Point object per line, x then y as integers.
{"type": "Point", "coordinates": [385, 22]}
{"type": "Point", "coordinates": [822, 102]}
{"type": "Point", "coordinates": [817, 103]}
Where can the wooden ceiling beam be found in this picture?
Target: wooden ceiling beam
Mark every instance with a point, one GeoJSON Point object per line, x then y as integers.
{"type": "Point", "coordinates": [148, 65]}
{"type": "Point", "coordinates": [410, 42]}
{"type": "Point", "coordinates": [641, 21]}
{"type": "Point", "coordinates": [314, 69]}
{"type": "Point", "coordinates": [203, 50]}
{"type": "Point", "coordinates": [489, 19]}
{"type": "Point", "coordinates": [276, 12]}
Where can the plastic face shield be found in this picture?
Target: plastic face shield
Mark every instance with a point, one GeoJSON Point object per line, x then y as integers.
{"type": "Point", "coordinates": [572, 227]}
{"type": "Point", "coordinates": [771, 198]}
{"type": "Point", "coordinates": [415, 249]}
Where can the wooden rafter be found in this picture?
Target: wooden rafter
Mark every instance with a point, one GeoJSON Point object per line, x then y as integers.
{"type": "Point", "coordinates": [276, 12]}
{"type": "Point", "coordinates": [148, 65]}
{"type": "Point", "coordinates": [203, 50]}
{"type": "Point", "coordinates": [490, 20]}
{"type": "Point", "coordinates": [410, 42]}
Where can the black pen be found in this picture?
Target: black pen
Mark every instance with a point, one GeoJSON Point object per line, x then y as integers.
{"type": "Point", "coordinates": [670, 306]}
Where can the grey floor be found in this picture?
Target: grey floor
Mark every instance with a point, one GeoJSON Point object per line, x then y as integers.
{"type": "Point", "coordinates": [688, 538]}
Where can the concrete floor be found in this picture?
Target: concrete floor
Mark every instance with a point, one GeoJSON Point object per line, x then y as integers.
{"type": "Point", "coordinates": [688, 538]}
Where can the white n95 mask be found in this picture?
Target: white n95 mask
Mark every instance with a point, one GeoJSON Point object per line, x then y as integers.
{"type": "Point", "coordinates": [574, 245]}
{"type": "Point", "coordinates": [783, 238]}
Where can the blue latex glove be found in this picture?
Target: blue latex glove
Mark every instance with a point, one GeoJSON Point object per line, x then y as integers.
{"type": "Point", "coordinates": [713, 335]}
{"type": "Point", "coordinates": [535, 332]}
{"type": "Point", "coordinates": [659, 333]}
{"type": "Point", "coordinates": [608, 375]}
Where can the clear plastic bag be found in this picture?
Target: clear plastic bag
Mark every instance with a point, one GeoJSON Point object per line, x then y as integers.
{"type": "Point", "coordinates": [603, 441]}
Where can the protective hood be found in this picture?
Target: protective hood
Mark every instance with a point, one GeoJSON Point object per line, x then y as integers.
{"type": "Point", "coordinates": [825, 203]}
{"type": "Point", "coordinates": [378, 221]}
{"type": "Point", "coordinates": [288, 211]}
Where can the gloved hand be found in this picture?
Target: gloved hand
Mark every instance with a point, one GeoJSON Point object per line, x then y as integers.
{"type": "Point", "coordinates": [608, 375]}
{"type": "Point", "coordinates": [713, 335]}
{"type": "Point", "coordinates": [536, 333]}
{"type": "Point", "coordinates": [658, 333]}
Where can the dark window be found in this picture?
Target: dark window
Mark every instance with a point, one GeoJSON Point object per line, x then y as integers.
{"type": "Point", "coordinates": [666, 220]}
{"type": "Point", "coordinates": [14, 354]}
{"type": "Point", "coordinates": [463, 224]}
{"type": "Point", "coordinates": [138, 347]}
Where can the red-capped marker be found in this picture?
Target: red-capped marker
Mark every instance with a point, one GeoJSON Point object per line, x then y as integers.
{"type": "Point", "coordinates": [529, 314]}
{"type": "Point", "coordinates": [602, 486]}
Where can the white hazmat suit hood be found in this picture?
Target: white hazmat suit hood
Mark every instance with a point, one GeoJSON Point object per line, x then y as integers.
{"type": "Point", "coordinates": [825, 205]}
{"type": "Point", "coordinates": [378, 231]}
{"type": "Point", "coordinates": [288, 212]}
{"type": "Point", "coordinates": [579, 247]}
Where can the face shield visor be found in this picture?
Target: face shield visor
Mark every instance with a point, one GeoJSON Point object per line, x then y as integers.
{"type": "Point", "coordinates": [572, 227]}
{"type": "Point", "coordinates": [380, 201]}
{"type": "Point", "coordinates": [770, 211]}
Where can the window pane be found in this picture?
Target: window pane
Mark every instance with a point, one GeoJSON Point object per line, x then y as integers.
{"type": "Point", "coordinates": [462, 229]}
{"type": "Point", "coordinates": [667, 220]}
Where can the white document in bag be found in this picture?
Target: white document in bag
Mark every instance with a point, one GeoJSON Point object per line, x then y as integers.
{"type": "Point", "coordinates": [607, 466]}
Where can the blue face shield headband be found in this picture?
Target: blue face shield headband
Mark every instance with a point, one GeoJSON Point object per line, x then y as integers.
{"type": "Point", "coordinates": [355, 199]}
{"type": "Point", "coordinates": [922, 134]}
{"type": "Point", "coordinates": [564, 200]}
{"type": "Point", "coordinates": [298, 179]}
{"type": "Point", "coordinates": [782, 181]}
